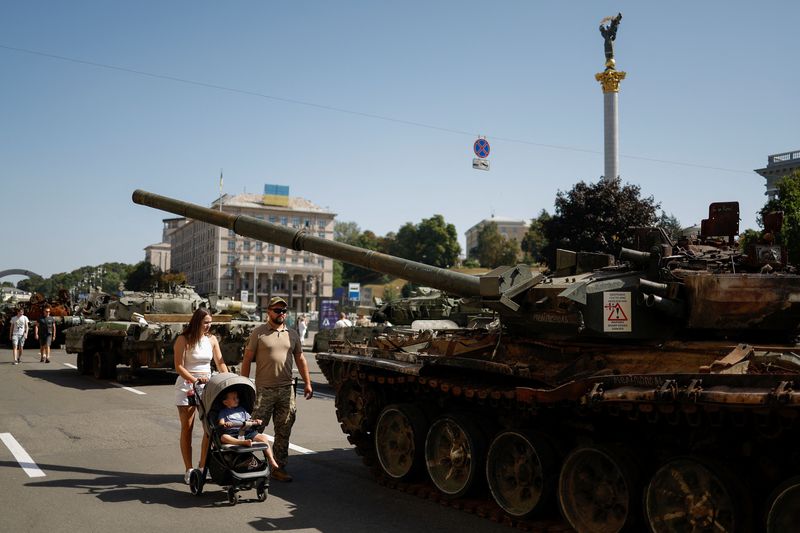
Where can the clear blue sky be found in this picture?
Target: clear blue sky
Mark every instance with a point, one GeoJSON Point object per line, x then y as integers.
{"type": "Point", "coordinates": [371, 108]}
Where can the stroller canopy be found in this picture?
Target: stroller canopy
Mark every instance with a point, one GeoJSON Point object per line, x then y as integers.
{"type": "Point", "coordinates": [216, 388]}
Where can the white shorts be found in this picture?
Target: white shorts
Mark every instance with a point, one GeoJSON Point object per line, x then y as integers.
{"type": "Point", "coordinates": [182, 387]}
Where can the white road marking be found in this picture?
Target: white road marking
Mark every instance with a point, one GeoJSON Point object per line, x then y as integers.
{"type": "Point", "coordinates": [294, 447]}
{"type": "Point", "coordinates": [129, 389]}
{"type": "Point", "coordinates": [71, 365]}
{"type": "Point", "coordinates": [21, 456]}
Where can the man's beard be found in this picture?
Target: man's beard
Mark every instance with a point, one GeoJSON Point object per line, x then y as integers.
{"type": "Point", "coordinates": [279, 319]}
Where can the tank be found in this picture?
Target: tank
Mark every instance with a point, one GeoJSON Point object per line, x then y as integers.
{"type": "Point", "coordinates": [649, 391]}
{"type": "Point", "coordinates": [138, 329]}
{"type": "Point", "coordinates": [425, 308]}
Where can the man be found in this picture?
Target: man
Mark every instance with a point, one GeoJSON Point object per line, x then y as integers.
{"type": "Point", "coordinates": [274, 347]}
{"type": "Point", "coordinates": [18, 334]}
{"type": "Point", "coordinates": [44, 330]}
{"type": "Point", "coordinates": [343, 322]}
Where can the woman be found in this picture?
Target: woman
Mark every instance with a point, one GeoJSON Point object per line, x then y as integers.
{"type": "Point", "coordinates": [194, 349]}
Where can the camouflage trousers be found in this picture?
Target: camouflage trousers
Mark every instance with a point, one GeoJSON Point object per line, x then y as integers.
{"type": "Point", "coordinates": [278, 404]}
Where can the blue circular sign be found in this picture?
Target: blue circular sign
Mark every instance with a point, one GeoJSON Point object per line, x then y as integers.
{"type": "Point", "coordinates": [481, 148]}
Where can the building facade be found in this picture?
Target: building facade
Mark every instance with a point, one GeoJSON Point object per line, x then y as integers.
{"type": "Point", "coordinates": [511, 228]}
{"type": "Point", "coordinates": [217, 261]}
{"type": "Point", "coordinates": [778, 166]}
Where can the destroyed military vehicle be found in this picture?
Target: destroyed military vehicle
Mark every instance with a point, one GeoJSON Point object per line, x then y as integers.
{"type": "Point", "coordinates": [138, 329]}
{"type": "Point", "coordinates": [655, 391]}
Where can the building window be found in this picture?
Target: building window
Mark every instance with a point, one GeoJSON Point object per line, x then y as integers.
{"type": "Point", "coordinates": [284, 221]}
{"type": "Point", "coordinates": [259, 245]}
{"type": "Point", "coordinates": [294, 260]}
{"type": "Point", "coordinates": [307, 223]}
{"type": "Point", "coordinates": [273, 219]}
{"type": "Point", "coordinates": [321, 234]}
{"type": "Point", "coordinates": [270, 259]}
{"type": "Point", "coordinates": [295, 222]}
{"type": "Point", "coordinates": [231, 259]}
{"type": "Point", "coordinates": [230, 285]}
{"type": "Point", "coordinates": [246, 245]}
{"type": "Point", "coordinates": [270, 247]}
{"type": "Point", "coordinates": [321, 224]}
{"type": "Point", "coordinates": [231, 233]}
{"type": "Point", "coordinates": [283, 260]}
{"type": "Point", "coordinates": [231, 245]}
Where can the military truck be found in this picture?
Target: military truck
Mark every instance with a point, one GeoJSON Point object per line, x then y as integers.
{"type": "Point", "coordinates": [651, 390]}
{"type": "Point", "coordinates": [138, 329]}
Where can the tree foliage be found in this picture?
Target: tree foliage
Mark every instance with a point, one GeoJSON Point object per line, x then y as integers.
{"type": "Point", "coordinates": [595, 217]}
{"type": "Point", "coordinates": [534, 243]}
{"type": "Point", "coordinates": [108, 276]}
{"type": "Point", "coordinates": [433, 241]}
{"type": "Point", "coordinates": [788, 201]}
{"type": "Point", "coordinates": [494, 249]}
{"type": "Point", "coordinates": [671, 225]}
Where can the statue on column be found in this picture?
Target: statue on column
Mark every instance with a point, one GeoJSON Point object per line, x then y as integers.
{"type": "Point", "coordinates": [609, 34]}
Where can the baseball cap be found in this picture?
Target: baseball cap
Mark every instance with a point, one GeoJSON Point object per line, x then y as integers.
{"type": "Point", "coordinates": [276, 300]}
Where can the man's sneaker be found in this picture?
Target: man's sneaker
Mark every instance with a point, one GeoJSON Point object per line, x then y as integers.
{"type": "Point", "coordinates": [281, 474]}
{"type": "Point", "coordinates": [187, 476]}
{"type": "Point", "coordinates": [16, 362]}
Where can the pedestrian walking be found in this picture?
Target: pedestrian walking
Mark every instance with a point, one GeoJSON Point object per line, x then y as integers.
{"type": "Point", "coordinates": [44, 329]}
{"type": "Point", "coordinates": [18, 334]}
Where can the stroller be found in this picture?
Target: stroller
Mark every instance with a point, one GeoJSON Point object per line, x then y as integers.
{"type": "Point", "coordinates": [235, 467]}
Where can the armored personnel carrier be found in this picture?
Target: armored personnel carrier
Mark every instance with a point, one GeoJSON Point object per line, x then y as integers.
{"type": "Point", "coordinates": [655, 391]}
{"type": "Point", "coordinates": [138, 329]}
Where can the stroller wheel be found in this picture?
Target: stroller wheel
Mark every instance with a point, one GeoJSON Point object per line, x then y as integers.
{"type": "Point", "coordinates": [196, 482]}
{"type": "Point", "coordinates": [261, 490]}
{"type": "Point", "coordinates": [233, 496]}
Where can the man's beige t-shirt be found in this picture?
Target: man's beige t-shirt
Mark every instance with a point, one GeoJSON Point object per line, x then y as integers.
{"type": "Point", "coordinates": [274, 359]}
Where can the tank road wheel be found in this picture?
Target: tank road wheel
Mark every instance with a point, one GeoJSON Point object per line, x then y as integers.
{"type": "Point", "coordinates": [454, 454]}
{"type": "Point", "coordinates": [97, 365]}
{"type": "Point", "coordinates": [686, 494]}
{"type": "Point", "coordinates": [103, 365]}
{"type": "Point", "coordinates": [355, 407]}
{"type": "Point", "coordinates": [522, 471]}
{"type": "Point", "coordinates": [783, 507]}
{"type": "Point", "coordinates": [400, 440]}
{"type": "Point", "coordinates": [84, 363]}
{"type": "Point", "coordinates": [598, 490]}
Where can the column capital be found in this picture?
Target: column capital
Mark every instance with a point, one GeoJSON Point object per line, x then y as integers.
{"type": "Point", "coordinates": [610, 80]}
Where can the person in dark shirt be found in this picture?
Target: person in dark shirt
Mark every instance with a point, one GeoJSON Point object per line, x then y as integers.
{"type": "Point", "coordinates": [45, 331]}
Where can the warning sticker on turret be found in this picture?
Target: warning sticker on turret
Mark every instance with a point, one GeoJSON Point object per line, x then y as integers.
{"type": "Point", "coordinates": [617, 311]}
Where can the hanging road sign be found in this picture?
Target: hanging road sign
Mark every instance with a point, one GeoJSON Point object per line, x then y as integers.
{"type": "Point", "coordinates": [480, 164]}
{"type": "Point", "coordinates": [481, 148]}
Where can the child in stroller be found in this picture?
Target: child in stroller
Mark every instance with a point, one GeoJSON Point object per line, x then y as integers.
{"type": "Point", "coordinates": [238, 428]}
{"type": "Point", "coordinates": [231, 462]}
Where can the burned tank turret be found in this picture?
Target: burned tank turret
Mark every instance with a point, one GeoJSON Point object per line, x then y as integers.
{"type": "Point", "coordinates": [654, 390]}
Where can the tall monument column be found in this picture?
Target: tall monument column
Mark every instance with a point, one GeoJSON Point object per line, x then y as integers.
{"type": "Point", "coordinates": [610, 80]}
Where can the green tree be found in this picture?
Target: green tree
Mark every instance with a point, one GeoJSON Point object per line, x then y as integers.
{"type": "Point", "coordinates": [595, 217]}
{"type": "Point", "coordinates": [788, 201]}
{"type": "Point", "coordinates": [350, 233]}
{"type": "Point", "coordinates": [671, 225]}
{"type": "Point", "coordinates": [433, 241]}
{"type": "Point", "coordinates": [534, 242]}
{"type": "Point", "coordinates": [143, 277]}
{"type": "Point", "coordinates": [495, 249]}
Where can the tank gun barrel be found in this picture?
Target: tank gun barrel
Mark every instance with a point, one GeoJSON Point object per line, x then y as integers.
{"type": "Point", "coordinates": [451, 282]}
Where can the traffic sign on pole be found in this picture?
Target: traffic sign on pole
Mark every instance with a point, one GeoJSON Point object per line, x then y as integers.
{"type": "Point", "coordinates": [481, 148]}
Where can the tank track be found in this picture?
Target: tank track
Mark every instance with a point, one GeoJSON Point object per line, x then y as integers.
{"type": "Point", "coordinates": [684, 425]}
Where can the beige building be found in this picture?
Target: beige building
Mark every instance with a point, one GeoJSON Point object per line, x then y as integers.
{"type": "Point", "coordinates": [217, 261]}
{"type": "Point", "coordinates": [778, 166]}
{"type": "Point", "coordinates": [511, 228]}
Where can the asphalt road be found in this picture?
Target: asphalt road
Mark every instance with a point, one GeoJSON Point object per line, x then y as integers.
{"type": "Point", "coordinates": [83, 455]}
